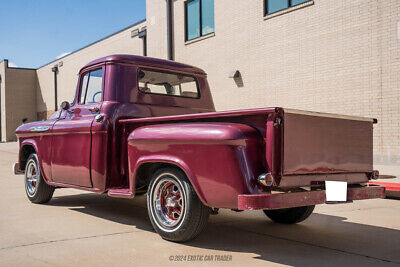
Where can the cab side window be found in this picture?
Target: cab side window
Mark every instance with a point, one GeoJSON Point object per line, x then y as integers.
{"type": "Point", "coordinates": [91, 87]}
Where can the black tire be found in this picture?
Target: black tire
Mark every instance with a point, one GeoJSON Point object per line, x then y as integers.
{"type": "Point", "coordinates": [37, 190]}
{"type": "Point", "coordinates": [291, 215]}
{"type": "Point", "coordinates": [183, 200]}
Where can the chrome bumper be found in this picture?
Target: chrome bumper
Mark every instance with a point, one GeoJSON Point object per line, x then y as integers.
{"type": "Point", "coordinates": [16, 169]}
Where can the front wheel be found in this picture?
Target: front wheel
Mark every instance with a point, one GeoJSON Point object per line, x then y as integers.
{"type": "Point", "coordinates": [175, 211]}
{"type": "Point", "coordinates": [291, 215]}
{"type": "Point", "coordinates": [37, 190]}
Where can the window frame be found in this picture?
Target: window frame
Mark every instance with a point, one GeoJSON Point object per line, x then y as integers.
{"type": "Point", "coordinates": [200, 21]}
{"type": "Point", "coordinates": [167, 72]}
{"type": "Point", "coordinates": [289, 2]}
{"type": "Point", "coordinates": [82, 76]}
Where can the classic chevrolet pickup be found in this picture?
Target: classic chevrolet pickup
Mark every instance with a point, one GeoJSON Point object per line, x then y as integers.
{"type": "Point", "coordinates": [142, 125]}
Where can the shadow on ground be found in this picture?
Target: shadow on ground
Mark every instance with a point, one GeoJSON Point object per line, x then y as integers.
{"type": "Point", "coordinates": [252, 232]}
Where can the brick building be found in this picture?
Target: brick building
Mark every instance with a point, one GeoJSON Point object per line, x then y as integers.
{"type": "Point", "coordinates": [322, 55]}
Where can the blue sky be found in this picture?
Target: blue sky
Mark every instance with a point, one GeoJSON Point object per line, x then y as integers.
{"type": "Point", "coordinates": [35, 32]}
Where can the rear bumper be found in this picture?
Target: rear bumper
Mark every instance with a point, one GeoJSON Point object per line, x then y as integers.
{"type": "Point", "coordinates": [299, 199]}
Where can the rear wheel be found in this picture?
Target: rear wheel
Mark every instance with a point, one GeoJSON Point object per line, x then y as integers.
{"type": "Point", "coordinates": [291, 215]}
{"type": "Point", "coordinates": [175, 211]}
{"type": "Point", "coordinates": [37, 190]}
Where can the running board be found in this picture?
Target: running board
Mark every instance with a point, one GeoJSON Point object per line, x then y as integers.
{"type": "Point", "coordinates": [120, 192]}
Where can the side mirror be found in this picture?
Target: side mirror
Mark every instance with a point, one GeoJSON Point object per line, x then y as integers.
{"type": "Point", "coordinates": [65, 105]}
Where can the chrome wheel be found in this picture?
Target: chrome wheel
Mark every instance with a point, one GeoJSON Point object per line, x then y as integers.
{"type": "Point", "coordinates": [168, 201]}
{"type": "Point", "coordinates": [175, 211]}
{"type": "Point", "coordinates": [31, 176]}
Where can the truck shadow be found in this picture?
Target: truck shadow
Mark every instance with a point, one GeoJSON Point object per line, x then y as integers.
{"type": "Point", "coordinates": [320, 239]}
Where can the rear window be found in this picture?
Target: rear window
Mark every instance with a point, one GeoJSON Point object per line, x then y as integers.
{"type": "Point", "coordinates": [163, 83]}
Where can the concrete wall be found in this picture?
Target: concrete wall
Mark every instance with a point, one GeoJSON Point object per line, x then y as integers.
{"type": "Point", "coordinates": [18, 98]}
{"type": "Point", "coordinates": [119, 43]}
{"type": "Point", "coordinates": [3, 66]}
{"type": "Point", "coordinates": [330, 56]}
{"type": "Point", "coordinates": [156, 15]}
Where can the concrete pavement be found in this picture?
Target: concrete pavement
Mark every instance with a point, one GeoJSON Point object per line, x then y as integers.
{"type": "Point", "coordinates": [81, 228]}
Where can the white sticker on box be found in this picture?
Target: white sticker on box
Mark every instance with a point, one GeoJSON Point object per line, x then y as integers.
{"type": "Point", "coordinates": [336, 191]}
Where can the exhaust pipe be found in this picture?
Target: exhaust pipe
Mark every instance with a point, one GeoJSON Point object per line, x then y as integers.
{"type": "Point", "coordinates": [375, 174]}
{"type": "Point", "coordinates": [266, 179]}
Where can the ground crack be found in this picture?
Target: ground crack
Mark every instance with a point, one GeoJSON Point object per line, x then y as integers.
{"type": "Point", "coordinates": [67, 239]}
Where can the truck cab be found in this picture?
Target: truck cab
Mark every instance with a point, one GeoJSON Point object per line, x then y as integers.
{"type": "Point", "coordinates": [110, 89]}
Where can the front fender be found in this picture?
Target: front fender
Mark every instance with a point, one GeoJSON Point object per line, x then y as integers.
{"type": "Point", "coordinates": [27, 142]}
{"type": "Point", "coordinates": [38, 135]}
{"type": "Point", "coordinates": [44, 165]}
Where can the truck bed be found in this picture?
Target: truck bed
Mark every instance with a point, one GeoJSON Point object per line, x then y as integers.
{"type": "Point", "coordinates": [301, 148]}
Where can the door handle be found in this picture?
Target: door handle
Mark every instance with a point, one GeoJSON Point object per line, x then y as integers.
{"type": "Point", "coordinates": [94, 109]}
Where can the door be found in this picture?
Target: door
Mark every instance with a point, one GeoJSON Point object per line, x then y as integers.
{"type": "Point", "coordinates": [72, 137]}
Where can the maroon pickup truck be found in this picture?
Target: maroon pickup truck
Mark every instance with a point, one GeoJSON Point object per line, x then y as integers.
{"type": "Point", "coordinates": [142, 125]}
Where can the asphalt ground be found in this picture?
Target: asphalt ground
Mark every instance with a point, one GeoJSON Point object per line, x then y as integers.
{"type": "Point", "coordinates": [86, 229]}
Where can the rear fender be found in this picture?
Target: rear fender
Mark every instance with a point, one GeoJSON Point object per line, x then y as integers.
{"type": "Point", "coordinates": [221, 160]}
{"type": "Point", "coordinates": [157, 158]}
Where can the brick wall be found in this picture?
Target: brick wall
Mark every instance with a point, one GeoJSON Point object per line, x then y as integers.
{"type": "Point", "coordinates": [331, 56]}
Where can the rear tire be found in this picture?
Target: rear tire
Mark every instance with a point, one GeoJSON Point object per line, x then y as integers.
{"type": "Point", "coordinates": [175, 211]}
{"type": "Point", "coordinates": [37, 190]}
{"type": "Point", "coordinates": [291, 215]}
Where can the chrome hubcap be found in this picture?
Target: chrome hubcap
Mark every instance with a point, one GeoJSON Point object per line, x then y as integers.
{"type": "Point", "coordinates": [32, 177]}
{"type": "Point", "coordinates": [168, 202]}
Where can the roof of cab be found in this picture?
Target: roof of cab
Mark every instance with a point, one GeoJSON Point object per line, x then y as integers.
{"type": "Point", "coordinates": [147, 62]}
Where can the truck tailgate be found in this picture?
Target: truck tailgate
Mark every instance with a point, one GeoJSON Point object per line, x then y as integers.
{"type": "Point", "coordinates": [316, 143]}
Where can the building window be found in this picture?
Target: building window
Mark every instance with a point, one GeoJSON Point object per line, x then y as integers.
{"type": "Point", "coordinates": [199, 18]}
{"type": "Point", "coordinates": [272, 6]}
